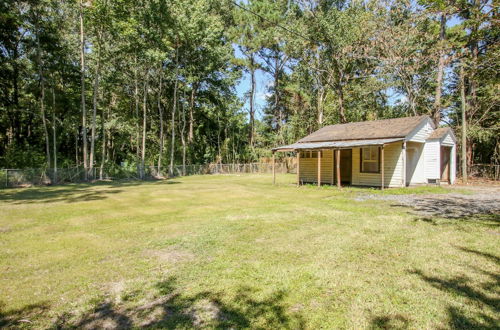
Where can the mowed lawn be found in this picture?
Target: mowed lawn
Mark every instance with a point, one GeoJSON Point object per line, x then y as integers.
{"type": "Point", "coordinates": [236, 251]}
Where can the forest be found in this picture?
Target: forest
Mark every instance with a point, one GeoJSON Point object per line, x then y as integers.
{"type": "Point", "coordinates": [135, 83]}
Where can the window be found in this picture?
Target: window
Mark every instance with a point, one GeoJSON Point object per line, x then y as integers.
{"type": "Point", "coordinates": [370, 159]}
{"type": "Point", "coordinates": [309, 154]}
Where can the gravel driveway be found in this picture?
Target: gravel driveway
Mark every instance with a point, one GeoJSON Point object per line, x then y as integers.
{"type": "Point", "coordinates": [482, 200]}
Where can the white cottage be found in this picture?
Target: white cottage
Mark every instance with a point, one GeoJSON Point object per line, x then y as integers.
{"type": "Point", "coordinates": [385, 153]}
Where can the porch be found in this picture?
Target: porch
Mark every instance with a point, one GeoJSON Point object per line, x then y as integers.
{"type": "Point", "coordinates": [377, 162]}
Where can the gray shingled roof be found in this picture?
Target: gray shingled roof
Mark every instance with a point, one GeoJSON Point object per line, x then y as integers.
{"type": "Point", "coordinates": [376, 129]}
{"type": "Point", "coordinates": [439, 133]}
{"type": "Point", "coordinates": [335, 144]}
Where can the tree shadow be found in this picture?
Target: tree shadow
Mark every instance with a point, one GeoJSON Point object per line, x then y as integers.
{"type": "Point", "coordinates": [71, 193]}
{"type": "Point", "coordinates": [172, 308]}
{"type": "Point", "coordinates": [389, 322]}
{"type": "Point", "coordinates": [486, 211]}
{"type": "Point", "coordinates": [483, 299]}
{"type": "Point", "coordinates": [17, 317]}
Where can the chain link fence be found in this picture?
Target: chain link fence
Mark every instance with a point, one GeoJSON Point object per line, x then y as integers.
{"type": "Point", "coordinates": [485, 171]}
{"type": "Point", "coordinates": [48, 176]}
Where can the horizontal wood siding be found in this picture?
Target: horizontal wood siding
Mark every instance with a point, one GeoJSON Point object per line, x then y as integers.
{"type": "Point", "coordinates": [393, 168]}
{"type": "Point", "coordinates": [432, 159]}
{"type": "Point", "coordinates": [422, 132]}
{"type": "Point", "coordinates": [309, 168]}
{"type": "Point", "coordinates": [415, 163]}
{"type": "Point", "coordinates": [448, 140]}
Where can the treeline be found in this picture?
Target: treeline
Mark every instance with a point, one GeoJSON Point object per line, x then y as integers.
{"type": "Point", "coordinates": [153, 82]}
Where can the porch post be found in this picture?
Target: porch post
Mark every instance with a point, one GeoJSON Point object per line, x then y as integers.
{"type": "Point", "coordinates": [338, 168]}
{"type": "Point", "coordinates": [274, 171]}
{"type": "Point", "coordinates": [298, 168]}
{"type": "Point", "coordinates": [382, 165]}
{"type": "Point", "coordinates": [319, 168]}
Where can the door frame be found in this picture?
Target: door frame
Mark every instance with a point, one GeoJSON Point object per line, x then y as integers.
{"type": "Point", "coordinates": [445, 150]}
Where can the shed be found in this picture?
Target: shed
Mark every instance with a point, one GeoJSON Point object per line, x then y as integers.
{"type": "Point", "coordinates": [385, 153]}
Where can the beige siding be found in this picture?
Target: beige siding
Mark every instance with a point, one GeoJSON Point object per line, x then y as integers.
{"type": "Point", "coordinates": [393, 168]}
{"type": "Point", "coordinates": [309, 168]}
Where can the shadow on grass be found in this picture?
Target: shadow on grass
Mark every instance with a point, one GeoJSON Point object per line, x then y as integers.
{"type": "Point", "coordinates": [389, 322]}
{"type": "Point", "coordinates": [18, 317]}
{"type": "Point", "coordinates": [483, 299]}
{"type": "Point", "coordinates": [70, 193]}
{"type": "Point", "coordinates": [173, 309]}
{"type": "Point", "coordinates": [485, 211]}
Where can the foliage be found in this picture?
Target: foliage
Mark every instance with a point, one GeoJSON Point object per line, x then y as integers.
{"type": "Point", "coordinates": [159, 76]}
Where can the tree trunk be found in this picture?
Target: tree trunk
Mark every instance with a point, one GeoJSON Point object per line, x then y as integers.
{"type": "Point", "coordinates": [77, 152]}
{"type": "Point", "coordinates": [144, 117]}
{"type": "Point", "coordinates": [54, 138]}
{"type": "Point", "coordinates": [94, 112]}
{"type": "Point", "coordinates": [321, 92]}
{"type": "Point", "coordinates": [160, 113]}
{"type": "Point", "coordinates": [464, 123]}
{"type": "Point", "coordinates": [436, 116]}
{"type": "Point", "coordinates": [174, 109]}
{"type": "Point", "coordinates": [279, 118]}
{"type": "Point", "coordinates": [42, 94]}
{"type": "Point", "coordinates": [136, 99]}
{"type": "Point", "coordinates": [252, 101]}
{"type": "Point", "coordinates": [103, 130]}
{"type": "Point", "coordinates": [183, 138]}
{"type": "Point", "coordinates": [340, 95]}
{"type": "Point", "coordinates": [84, 111]}
{"type": "Point", "coordinates": [191, 113]}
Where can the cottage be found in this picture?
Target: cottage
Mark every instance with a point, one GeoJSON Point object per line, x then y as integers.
{"type": "Point", "coordinates": [384, 153]}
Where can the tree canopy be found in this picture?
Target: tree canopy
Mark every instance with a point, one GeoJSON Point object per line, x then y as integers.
{"type": "Point", "coordinates": [153, 82]}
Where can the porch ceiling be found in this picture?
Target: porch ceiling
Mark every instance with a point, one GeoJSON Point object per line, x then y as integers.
{"type": "Point", "coordinates": [336, 144]}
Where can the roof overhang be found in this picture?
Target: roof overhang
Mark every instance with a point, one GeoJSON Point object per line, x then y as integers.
{"type": "Point", "coordinates": [336, 144]}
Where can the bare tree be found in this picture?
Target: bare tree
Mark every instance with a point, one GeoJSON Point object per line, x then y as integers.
{"type": "Point", "coordinates": [94, 110]}
{"type": "Point", "coordinates": [160, 114]}
{"type": "Point", "coordinates": [144, 117]}
{"type": "Point", "coordinates": [174, 109]}
{"type": "Point", "coordinates": [82, 76]}
{"type": "Point", "coordinates": [439, 80]}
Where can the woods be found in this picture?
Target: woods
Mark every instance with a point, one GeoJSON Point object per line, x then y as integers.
{"type": "Point", "coordinates": [127, 83]}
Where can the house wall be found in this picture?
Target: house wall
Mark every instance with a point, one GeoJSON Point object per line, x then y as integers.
{"type": "Point", "coordinates": [415, 163]}
{"type": "Point", "coordinates": [422, 132]}
{"type": "Point", "coordinates": [448, 140]}
{"type": "Point", "coordinates": [432, 159]}
{"type": "Point", "coordinates": [453, 164]}
{"type": "Point", "coordinates": [393, 168]}
{"type": "Point", "coordinates": [309, 168]}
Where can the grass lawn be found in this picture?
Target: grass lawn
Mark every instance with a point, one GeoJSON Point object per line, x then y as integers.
{"type": "Point", "coordinates": [235, 251]}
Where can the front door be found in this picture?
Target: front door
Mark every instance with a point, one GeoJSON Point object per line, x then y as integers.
{"type": "Point", "coordinates": [445, 164]}
{"type": "Point", "coordinates": [345, 165]}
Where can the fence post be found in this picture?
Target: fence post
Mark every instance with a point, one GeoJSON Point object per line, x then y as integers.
{"type": "Point", "coordinates": [6, 178]}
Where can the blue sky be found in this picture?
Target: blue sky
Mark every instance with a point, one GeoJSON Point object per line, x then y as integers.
{"type": "Point", "coordinates": [262, 81]}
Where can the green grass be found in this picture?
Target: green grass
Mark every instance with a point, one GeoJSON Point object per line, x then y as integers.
{"type": "Point", "coordinates": [235, 251]}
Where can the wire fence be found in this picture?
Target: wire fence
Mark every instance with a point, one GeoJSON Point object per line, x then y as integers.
{"type": "Point", "coordinates": [47, 176]}
{"type": "Point", "coordinates": [485, 171]}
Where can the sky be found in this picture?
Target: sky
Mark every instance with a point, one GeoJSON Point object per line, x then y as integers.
{"type": "Point", "coordinates": [262, 81]}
